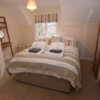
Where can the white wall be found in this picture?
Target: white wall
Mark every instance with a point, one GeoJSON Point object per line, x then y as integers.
{"type": "Point", "coordinates": [20, 25]}
{"type": "Point", "coordinates": [13, 28]}
{"type": "Point", "coordinates": [86, 38]}
{"type": "Point", "coordinates": [22, 29]}
{"type": "Point", "coordinates": [85, 34]}
{"type": "Point", "coordinates": [28, 35]}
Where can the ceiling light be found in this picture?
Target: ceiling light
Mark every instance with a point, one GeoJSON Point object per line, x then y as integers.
{"type": "Point", "coordinates": [31, 5]}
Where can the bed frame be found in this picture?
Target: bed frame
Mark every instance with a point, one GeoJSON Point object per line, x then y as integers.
{"type": "Point", "coordinates": [45, 81]}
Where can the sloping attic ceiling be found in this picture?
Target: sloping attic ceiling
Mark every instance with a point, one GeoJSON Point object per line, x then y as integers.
{"type": "Point", "coordinates": [21, 14]}
{"type": "Point", "coordinates": [73, 11]}
{"type": "Point", "coordinates": [40, 3]}
{"type": "Point", "coordinates": [18, 10]}
{"type": "Point", "coordinates": [80, 11]}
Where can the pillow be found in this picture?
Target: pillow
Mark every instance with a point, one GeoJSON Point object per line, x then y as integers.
{"type": "Point", "coordinates": [34, 50]}
{"type": "Point", "coordinates": [45, 39]}
{"type": "Point", "coordinates": [57, 46]}
{"type": "Point", "coordinates": [56, 39]}
{"type": "Point", "coordinates": [41, 45]}
{"type": "Point", "coordinates": [71, 49]}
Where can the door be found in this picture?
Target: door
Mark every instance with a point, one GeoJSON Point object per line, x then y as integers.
{"type": "Point", "coordinates": [97, 57]}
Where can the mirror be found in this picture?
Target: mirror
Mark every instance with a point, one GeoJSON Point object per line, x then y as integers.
{"type": "Point", "coordinates": [2, 34]}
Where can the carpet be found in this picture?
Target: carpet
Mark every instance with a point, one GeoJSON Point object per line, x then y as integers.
{"type": "Point", "coordinates": [13, 90]}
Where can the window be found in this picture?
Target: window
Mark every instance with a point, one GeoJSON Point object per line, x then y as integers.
{"type": "Point", "coordinates": [46, 25]}
{"type": "Point", "coordinates": [46, 29]}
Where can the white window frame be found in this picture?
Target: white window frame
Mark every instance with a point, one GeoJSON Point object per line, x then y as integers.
{"type": "Point", "coordinates": [37, 34]}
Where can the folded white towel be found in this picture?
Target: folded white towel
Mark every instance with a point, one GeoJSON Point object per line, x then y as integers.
{"type": "Point", "coordinates": [55, 54]}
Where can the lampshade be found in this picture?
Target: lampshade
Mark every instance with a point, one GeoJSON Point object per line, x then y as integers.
{"type": "Point", "coordinates": [31, 5]}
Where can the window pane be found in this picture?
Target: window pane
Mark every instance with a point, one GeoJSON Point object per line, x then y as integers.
{"type": "Point", "coordinates": [46, 29]}
{"type": "Point", "coordinates": [51, 29]}
{"type": "Point", "coordinates": [41, 29]}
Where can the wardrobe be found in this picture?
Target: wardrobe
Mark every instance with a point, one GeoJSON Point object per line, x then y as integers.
{"type": "Point", "coordinates": [96, 62]}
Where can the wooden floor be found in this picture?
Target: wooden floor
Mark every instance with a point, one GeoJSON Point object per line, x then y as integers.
{"type": "Point", "coordinates": [12, 90]}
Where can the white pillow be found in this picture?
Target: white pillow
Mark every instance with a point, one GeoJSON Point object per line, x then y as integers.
{"type": "Point", "coordinates": [44, 39]}
{"type": "Point", "coordinates": [71, 49]}
{"type": "Point", "coordinates": [57, 45]}
{"type": "Point", "coordinates": [41, 45]}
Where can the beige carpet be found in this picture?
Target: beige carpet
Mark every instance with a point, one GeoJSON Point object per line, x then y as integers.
{"type": "Point", "coordinates": [12, 90]}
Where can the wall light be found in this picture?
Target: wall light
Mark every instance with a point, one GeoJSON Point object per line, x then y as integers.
{"type": "Point", "coordinates": [31, 5]}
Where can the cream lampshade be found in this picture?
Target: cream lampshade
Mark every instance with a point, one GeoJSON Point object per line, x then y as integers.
{"type": "Point", "coordinates": [31, 5]}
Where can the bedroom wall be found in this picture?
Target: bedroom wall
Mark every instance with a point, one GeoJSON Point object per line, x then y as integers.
{"type": "Point", "coordinates": [28, 35]}
{"type": "Point", "coordinates": [82, 18]}
{"type": "Point", "coordinates": [13, 27]}
{"type": "Point", "coordinates": [20, 26]}
{"type": "Point", "coordinates": [22, 33]}
{"type": "Point", "coordinates": [86, 38]}
{"type": "Point", "coordinates": [85, 34]}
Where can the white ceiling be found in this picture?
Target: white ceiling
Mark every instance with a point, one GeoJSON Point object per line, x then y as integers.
{"type": "Point", "coordinates": [73, 11]}
{"type": "Point", "coordinates": [50, 2]}
{"type": "Point", "coordinates": [81, 1]}
{"type": "Point", "coordinates": [40, 3]}
{"type": "Point", "coordinates": [80, 11]}
{"type": "Point", "coordinates": [18, 8]}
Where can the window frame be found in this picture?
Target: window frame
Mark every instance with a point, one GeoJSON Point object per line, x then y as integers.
{"type": "Point", "coordinates": [46, 26]}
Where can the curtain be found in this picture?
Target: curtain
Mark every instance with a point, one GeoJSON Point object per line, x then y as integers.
{"type": "Point", "coordinates": [46, 18]}
{"type": "Point", "coordinates": [2, 64]}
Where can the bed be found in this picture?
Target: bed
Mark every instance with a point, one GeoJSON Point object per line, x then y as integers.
{"type": "Point", "coordinates": [58, 73]}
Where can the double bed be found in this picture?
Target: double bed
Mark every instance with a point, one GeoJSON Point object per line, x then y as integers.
{"type": "Point", "coordinates": [61, 73]}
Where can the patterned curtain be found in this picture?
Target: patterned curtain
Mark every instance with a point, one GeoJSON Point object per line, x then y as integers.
{"type": "Point", "coordinates": [46, 18]}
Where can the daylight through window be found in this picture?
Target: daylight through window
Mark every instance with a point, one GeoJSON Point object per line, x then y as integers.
{"type": "Point", "coordinates": [46, 25]}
